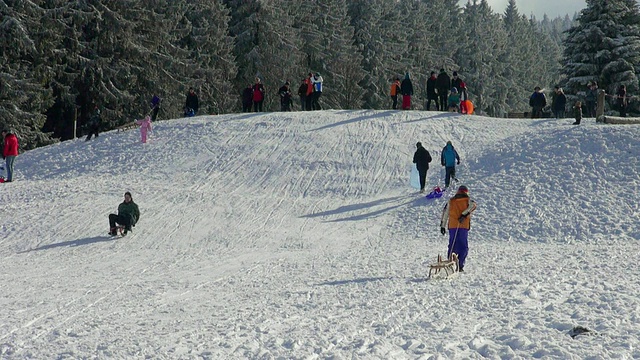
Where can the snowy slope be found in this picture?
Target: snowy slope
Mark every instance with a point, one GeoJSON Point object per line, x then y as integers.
{"type": "Point", "coordinates": [296, 236]}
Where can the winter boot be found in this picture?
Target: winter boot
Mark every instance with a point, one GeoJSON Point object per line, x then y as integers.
{"type": "Point", "coordinates": [113, 231]}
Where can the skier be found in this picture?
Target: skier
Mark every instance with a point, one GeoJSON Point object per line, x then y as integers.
{"type": "Point", "coordinates": [94, 123]}
{"type": "Point", "coordinates": [128, 215]}
{"type": "Point", "coordinates": [422, 158]}
{"type": "Point", "coordinates": [456, 215]}
{"type": "Point", "coordinates": [191, 104]}
{"type": "Point", "coordinates": [448, 159]}
{"type": "Point", "coordinates": [406, 87]}
{"type": "Point", "coordinates": [9, 152]}
{"type": "Point", "coordinates": [145, 126]}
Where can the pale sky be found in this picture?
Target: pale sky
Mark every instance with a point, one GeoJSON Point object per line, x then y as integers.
{"type": "Point", "coordinates": [553, 8]}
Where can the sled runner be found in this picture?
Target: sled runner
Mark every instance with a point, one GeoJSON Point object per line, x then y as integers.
{"type": "Point", "coordinates": [449, 266]}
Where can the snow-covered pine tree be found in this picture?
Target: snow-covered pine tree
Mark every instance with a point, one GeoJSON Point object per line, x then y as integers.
{"type": "Point", "coordinates": [24, 49]}
{"type": "Point", "coordinates": [381, 38]}
{"type": "Point", "coordinates": [211, 52]}
{"type": "Point", "coordinates": [267, 45]}
{"type": "Point", "coordinates": [479, 55]}
{"type": "Point", "coordinates": [339, 60]}
{"type": "Point", "coordinates": [604, 46]}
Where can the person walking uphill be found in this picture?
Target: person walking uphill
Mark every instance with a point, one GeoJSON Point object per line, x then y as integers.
{"type": "Point", "coordinates": [407, 91]}
{"type": "Point", "coordinates": [456, 216]}
{"type": "Point", "coordinates": [9, 152]}
{"type": "Point", "coordinates": [448, 159]}
{"type": "Point", "coordinates": [422, 158]}
{"type": "Point", "coordinates": [128, 215]}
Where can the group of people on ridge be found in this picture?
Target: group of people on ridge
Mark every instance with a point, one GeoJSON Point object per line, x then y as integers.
{"type": "Point", "coordinates": [448, 94]}
{"type": "Point", "coordinates": [309, 92]}
{"type": "Point", "coordinates": [456, 215]}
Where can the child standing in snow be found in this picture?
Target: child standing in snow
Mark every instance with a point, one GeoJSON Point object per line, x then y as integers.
{"type": "Point", "coordinates": [145, 126]}
{"type": "Point", "coordinates": [577, 112]}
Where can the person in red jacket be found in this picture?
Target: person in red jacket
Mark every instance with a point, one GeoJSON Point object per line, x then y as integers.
{"type": "Point", "coordinates": [258, 95]}
{"type": "Point", "coordinates": [9, 152]}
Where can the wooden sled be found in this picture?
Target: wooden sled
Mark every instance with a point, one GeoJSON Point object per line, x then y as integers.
{"type": "Point", "coordinates": [128, 126]}
{"type": "Point", "coordinates": [449, 266]}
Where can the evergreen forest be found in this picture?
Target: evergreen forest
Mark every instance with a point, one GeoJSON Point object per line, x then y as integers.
{"type": "Point", "coordinates": [62, 58]}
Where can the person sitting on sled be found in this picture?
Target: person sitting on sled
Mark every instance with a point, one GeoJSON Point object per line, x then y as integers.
{"type": "Point", "coordinates": [457, 216]}
{"type": "Point", "coordinates": [128, 215]}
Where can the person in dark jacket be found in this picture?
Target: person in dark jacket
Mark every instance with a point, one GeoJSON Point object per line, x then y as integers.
{"type": "Point", "coordinates": [422, 158]}
{"type": "Point", "coordinates": [9, 152]}
{"type": "Point", "coordinates": [559, 103]}
{"type": "Point", "coordinates": [285, 97]}
{"type": "Point", "coordinates": [456, 82]}
{"type": "Point", "coordinates": [93, 126]}
{"type": "Point", "coordinates": [443, 84]}
{"type": "Point", "coordinates": [155, 107]}
{"type": "Point", "coordinates": [537, 101]}
{"type": "Point", "coordinates": [577, 113]}
{"type": "Point", "coordinates": [302, 93]}
{"type": "Point", "coordinates": [128, 215]}
{"type": "Point", "coordinates": [621, 100]}
{"type": "Point", "coordinates": [449, 158]}
{"type": "Point", "coordinates": [191, 104]}
{"type": "Point", "coordinates": [406, 88]}
{"type": "Point", "coordinates": [247, 98]}
{"type": "Point", "coordinates": [432, 92]}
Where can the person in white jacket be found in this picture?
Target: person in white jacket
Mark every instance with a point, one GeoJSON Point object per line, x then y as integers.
{"type": "Point", "coordinates": [316, 80]}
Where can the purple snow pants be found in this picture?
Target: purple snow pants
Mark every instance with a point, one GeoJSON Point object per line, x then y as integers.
{"type": "Point", "coordinates": [458, 239]}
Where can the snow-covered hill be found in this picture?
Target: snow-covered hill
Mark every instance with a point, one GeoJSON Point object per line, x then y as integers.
{"type": "Point", "coordinates": [297, 236]}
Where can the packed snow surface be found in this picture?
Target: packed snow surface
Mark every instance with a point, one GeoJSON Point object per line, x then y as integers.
{"type": "Point", "coordinates": [297, 236]}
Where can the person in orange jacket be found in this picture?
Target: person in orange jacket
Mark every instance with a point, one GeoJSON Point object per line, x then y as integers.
{"type": "Point", "coordinates": [9, 152]}
{"type": "Point", "coordinates": [395, 90]}
{"type": "Point", "coordinates": [456, 215]}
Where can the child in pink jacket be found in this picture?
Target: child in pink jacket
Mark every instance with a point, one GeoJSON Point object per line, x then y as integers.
{"type": "Point", "coordinates": [145, 126]}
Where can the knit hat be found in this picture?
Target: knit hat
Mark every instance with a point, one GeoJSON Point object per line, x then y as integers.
{"type": "Point", "coordinates": [455, 73]}
{"type": "Point", "coordinates": [418, 144]}
{"type": "Point", "coordinates": [127, 193]}
{"type": "Point", "coordinates": [463, 85]}
{"type": "Point", "coordinates": [454, 90]}
{"type": "Point", "coordinates": [463, 189]}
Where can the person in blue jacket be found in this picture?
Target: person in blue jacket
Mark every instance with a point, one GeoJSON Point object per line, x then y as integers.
{"type": "Point", "coordinates": [449, 158]}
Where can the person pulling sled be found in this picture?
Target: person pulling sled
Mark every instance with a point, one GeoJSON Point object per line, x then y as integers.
{"type": "Point", "coordinates": [127, 217]}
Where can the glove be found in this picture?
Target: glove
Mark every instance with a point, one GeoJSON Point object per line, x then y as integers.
{"type": "Point", "coordinates": [462, 217]}
{"type": "Point", "coordinates": [443, 231]}
{"type": "Point", "coordinates": [458, 162]}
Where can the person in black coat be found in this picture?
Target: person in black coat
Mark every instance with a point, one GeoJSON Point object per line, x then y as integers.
{"type": "Point", "coordinates": [93, 126]}
{"type": "Point", "coordinates": [191, 103]}
{"type": "Point", "coordinates": [456, 82]}
{"type": "Point", "coordinates": [621, 100]}
{"type": "Point", "coordinates": [432, 93]}
{"type": "Point", "coordinates": [422, 158]}
{"type": "Point", "coordinates": [247, 98]}
{"type": "Point", "coordinates": [537, 101]}
{"type": "Point", "coordinates": [406, 88]}
{"type": "Point", "coordinates": [443, 84]}
{"type": "Point", "coordinates": [285, 97]}
{"type": "Point", "coordinates": [559, 103]}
